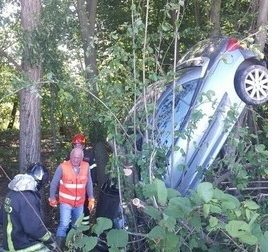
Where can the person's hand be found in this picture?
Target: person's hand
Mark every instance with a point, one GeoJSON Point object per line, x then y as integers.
{"type": "Point", "coordinates": [53, 202]}
{"type": "Point", "coordinates": [91, 204]}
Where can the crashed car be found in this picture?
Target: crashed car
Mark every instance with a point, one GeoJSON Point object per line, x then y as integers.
{"type": "Point", "coordinates": [214, 81]}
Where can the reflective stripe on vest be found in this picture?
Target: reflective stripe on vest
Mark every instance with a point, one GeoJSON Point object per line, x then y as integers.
{"type": "Point", "coordinates": [46, 237]}
{"type": "Point", "coordinates": [69, 197]}
{"type": "Point", "coordinates": [9, 231]}
{"type": "Point", "coordinates": [72, 188]}
{"type": "Point", "coordinates": [93, 166]}
{"type": "Point", "coordinates": [38, 247]}
{"type": "Point", "coordinates": [86, 220]}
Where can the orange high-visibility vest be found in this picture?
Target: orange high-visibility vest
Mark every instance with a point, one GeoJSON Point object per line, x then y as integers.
{"type": "Point", "coordinates": [72, 187]}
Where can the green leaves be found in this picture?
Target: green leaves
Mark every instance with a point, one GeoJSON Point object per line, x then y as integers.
{"type": "Point", "coordinates": [101, 225]}
{"type": "Point", "coordinates": [250, 204]}
{"type": "Point", "coordinates": [263, 240]}
{"type": "Point", "coordinates": [230, 202]}
{"type": "Point", "coordinates": [236, 228]}
{"type": "Point", "coordinates": [178, 207]}
{"type": "Point", "coordinates": [158, 189]}
{"type": "Point", "coordinates": [117, 238]}
{"type": "Point", "coordinates": [241, 230]}
{"type": "Point", "coordinates": [161, 191]}
{"type": "Point", "coordinates": [152, 212]}
{"type": "Point", "coordinates": [167, 241]}
{"type": "Point", "coordinates": [205, 191]}
{"type": "Point", "coordinates": [171, 242]}
{"type": "Point", "coordinates": [87, 243]}
{"type": "Point", "coordinates": [168, 222]}
{"type": "Point", "coordinates": [157, 233]}
{"type": "Point", "coordinates": [171, 193]}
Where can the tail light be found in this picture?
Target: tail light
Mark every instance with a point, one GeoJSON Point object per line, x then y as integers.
{"type": "Point", "coordinates": [233, 44]}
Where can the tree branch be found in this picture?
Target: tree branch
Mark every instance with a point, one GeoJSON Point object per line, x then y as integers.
{"type": "Point", "coordinates": [11, 60]}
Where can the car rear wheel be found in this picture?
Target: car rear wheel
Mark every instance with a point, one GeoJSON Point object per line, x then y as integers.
{"type": "Point", "coordinates": [251, 84]}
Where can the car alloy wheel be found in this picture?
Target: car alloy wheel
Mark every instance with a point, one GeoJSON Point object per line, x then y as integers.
{"type": "Point", "coordinates": [251, 85]}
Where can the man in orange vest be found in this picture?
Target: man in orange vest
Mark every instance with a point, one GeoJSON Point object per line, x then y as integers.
{"type": "Point", "coordinates": [79, 141]}
{"type": "Point", "coordinates": [73, 179]}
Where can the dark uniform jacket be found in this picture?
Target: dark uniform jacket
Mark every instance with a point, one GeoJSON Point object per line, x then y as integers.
{"type": "Point", "coordinates": [21, 217]}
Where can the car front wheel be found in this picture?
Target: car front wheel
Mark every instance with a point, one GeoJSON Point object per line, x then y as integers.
{"type": "Point", "coordinates": [251, 84]}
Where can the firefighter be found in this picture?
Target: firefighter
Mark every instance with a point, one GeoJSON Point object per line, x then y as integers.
{"type": "Point", "coordinates": [20, 214]}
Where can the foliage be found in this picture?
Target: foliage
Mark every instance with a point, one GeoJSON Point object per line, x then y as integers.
{"type": "Point", "coordinates": [130, 59]}
{"type": "Point", "coordinates": [177, 222]}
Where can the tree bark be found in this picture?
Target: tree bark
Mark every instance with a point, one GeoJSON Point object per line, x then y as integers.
{"type": "Point", "coordinates": [53, 121]}
{"type": "Point", "coordinates": [215, 17]}
{"type": "Point", "coordinates": [197, 16]}
{"type": "Point", "coordinates": [13, 115]}
{"type": "Point", "coordinates": [30, 117]}
{"type": "Point", "coordinates": [262, 24]}
{"type": "Point", "coordinates": [87, 15]}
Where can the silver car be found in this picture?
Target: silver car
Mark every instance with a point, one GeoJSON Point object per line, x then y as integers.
{"type": "Point", "coordinates": [214, 81]}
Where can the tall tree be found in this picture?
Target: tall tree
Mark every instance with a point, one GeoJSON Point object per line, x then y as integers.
{"type": "Point", "coordinates": [87, 15]}
{"type": "Point", "coordinates": [262, 23]}
{"type": "Point", "coordinates": [30, 117]}
{"type": "Point", "coordinates": [215, 17]}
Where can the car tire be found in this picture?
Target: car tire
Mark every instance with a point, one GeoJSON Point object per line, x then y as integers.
{"type": "Point", "coordinates": [251, 84]}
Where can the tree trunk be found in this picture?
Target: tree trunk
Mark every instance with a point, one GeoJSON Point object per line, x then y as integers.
{"type": "Point", "coordinates": [101, 158]}
{"type": "Point", "coordinates": [13, 115]}
{"type": "Point", "coordinates": [262, 24]}
{"type": "Point", "coordinates": [87, 16]}
{"type": "Point", "coordinates": [215, 17]}
{"type": "Point", "coordinates": [197, 16]}
{"type": "Point", "coordinates": [30, 118]}
{"type": "Point", "coordinates": [53, 120]}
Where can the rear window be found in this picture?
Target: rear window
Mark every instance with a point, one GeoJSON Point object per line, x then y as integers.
{"type": "Point", "coordinates": [207, 48]}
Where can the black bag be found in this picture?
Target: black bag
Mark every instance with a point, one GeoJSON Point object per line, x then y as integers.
{"type": "Point", "coordinates": [108, 204]}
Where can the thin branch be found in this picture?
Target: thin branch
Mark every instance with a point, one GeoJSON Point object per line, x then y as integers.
{"type": "Point", "coordinates": [144, 52]}
{"type": "Point", "coordinates": [236, 244]}
{"type": "Point", "coordinates": [118, 176]}
{"type": "Point", "coordinates": [134, 76]}
{"type": "Point", "coordinates": [174, 95]}
{"type": "Point", "coordinates": [11, 60]}
{"type": "Point", "coordinates": [98, 99]}
{"type": "Point", "coordinates": [137, 234]}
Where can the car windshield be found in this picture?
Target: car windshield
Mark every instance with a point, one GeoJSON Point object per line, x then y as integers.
{"type": "Point", "coordinates": [183, 99]}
